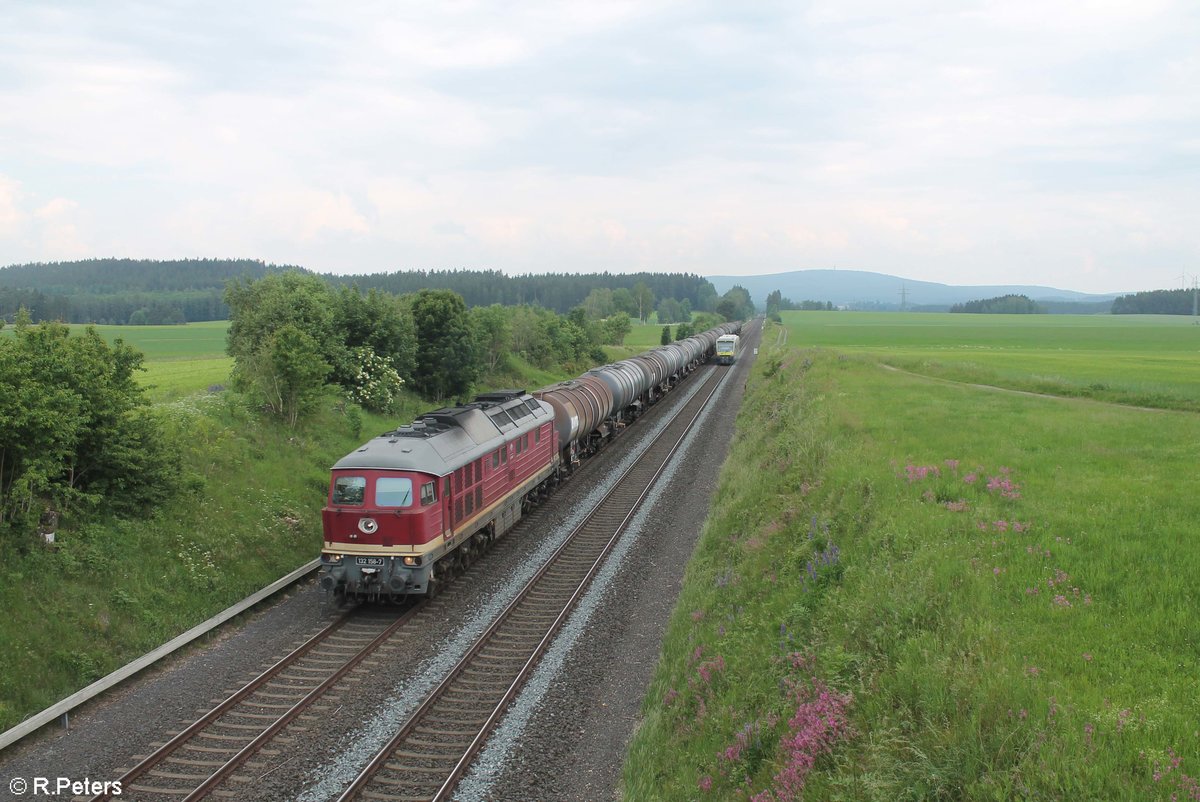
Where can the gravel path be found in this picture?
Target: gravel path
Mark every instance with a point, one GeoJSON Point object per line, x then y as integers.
{"type": "Point", "coordinates": [574, 737]}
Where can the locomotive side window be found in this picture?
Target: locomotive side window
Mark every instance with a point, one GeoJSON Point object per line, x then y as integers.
{"type": "Point", "coordinates": [393, 491]}
{"type": "Point", "coordinates": [495, 459]}
{"type": "Point", "coordinates": [537, 435]}
{"type": "Point", "coordinates": [427, 494]}
{"type": "Point", "coordinates": [504, 454]}
{"type": "Point", "coordinates": [349, 489]}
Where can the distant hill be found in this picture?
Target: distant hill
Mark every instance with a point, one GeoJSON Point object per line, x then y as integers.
{"type": "Point", "coordinates": [866, 290]}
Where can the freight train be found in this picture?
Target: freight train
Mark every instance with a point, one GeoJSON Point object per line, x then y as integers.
{"type": "Point", "coordinates": [416, 505]}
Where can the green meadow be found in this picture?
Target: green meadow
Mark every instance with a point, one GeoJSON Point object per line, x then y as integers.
{"type": "Point", "coordinates": [180, 360]}
{"type": "Point", "coordinates": [914, 585]}
{"type": "Point", "coordinates": [1146, 360]}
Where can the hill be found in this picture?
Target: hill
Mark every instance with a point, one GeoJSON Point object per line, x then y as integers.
{"type": "Point", "coordinates": [867, 290]}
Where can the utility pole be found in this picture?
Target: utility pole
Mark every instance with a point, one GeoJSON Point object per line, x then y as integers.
{"type": "Point", "coordinates": [903, 298]}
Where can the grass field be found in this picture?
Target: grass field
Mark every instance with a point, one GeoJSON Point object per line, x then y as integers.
{"type": "Point", "coordinates": [180, 360]}
{"type": "Point", "coordinates": [1150, 360]}
{"type": "Point", "coordinates": [913, 588]}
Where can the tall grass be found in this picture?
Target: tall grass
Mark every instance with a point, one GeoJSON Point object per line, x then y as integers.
{"type": "Point", "coordinates": [912, 589]}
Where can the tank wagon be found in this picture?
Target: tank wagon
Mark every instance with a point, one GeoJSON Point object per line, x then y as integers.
{"type": "Point", "coordinates": [728, 348]}
{"type": "Point", "coordinates": [416, 505]}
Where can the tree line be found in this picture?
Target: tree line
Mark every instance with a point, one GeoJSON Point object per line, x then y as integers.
{"type": "Point", "coordinates": [1156, 302]}
{"type": "Point", "coordinates": [129, 291]}
{"type": "Point", "coordinates": [293, 335]}
{"type": "Point", "coordinates": [776, 303]}
{"type": "Point", "coordinates": [1001, 305]}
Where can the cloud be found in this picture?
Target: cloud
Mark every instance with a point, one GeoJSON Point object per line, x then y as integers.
{"type": "Point", "coordinates": [939, 137]}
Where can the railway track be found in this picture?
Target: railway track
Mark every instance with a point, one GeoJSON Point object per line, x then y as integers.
{"type": "Point", "coordinates": [193, 764]}
{"type": "Point", "coordinates": [435, 747]}
{"type": "Point", "coordinates": [203, 755]}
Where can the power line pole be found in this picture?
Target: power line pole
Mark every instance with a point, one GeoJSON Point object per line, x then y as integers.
{"type": "Point", "coordinates": [903, 298]}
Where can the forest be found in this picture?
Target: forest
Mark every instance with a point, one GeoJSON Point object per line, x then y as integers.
{"type": "Point", "coordinates": [1157, 302]}
{"type": "Point", "coordinates": [1001, 305]}
{"type": "Point", "coordinates": [152, 292]}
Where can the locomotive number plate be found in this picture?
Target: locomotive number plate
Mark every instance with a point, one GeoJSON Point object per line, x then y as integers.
{"type": "Point", "coordinates": [376, 561]}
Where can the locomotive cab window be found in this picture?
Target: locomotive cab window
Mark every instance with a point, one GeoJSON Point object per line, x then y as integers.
{"type": "Point", "coordinates": [427, 494]}
{"type": "Point", "coordinates": [393, 491]}
{"type": "Point", "coordinates": [349, 489]}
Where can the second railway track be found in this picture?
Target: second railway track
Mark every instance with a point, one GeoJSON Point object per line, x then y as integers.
{"type": "Point", "coordinates": [434, 748]}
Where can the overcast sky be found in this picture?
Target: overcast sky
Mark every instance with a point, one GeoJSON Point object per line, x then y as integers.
{"type": "Point", "coordinates": [1014, 141]}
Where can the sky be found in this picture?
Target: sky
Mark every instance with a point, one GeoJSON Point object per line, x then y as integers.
{"type": "Point", "coordinates": [992, 142]}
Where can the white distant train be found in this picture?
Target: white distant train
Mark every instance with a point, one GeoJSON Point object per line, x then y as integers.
{"type": "Point", "coordinates": [728, 348]}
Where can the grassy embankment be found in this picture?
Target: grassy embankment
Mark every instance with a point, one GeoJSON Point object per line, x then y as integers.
{"type": "Point", "coordinates": [916, 589]}
{"type": "Point", "coordinates": [112, 589]}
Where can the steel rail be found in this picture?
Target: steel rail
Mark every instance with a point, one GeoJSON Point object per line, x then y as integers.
{"type": "Point", "coordinates": [199, 725]}
{"type": "Point", "coordinates": [384, 755]}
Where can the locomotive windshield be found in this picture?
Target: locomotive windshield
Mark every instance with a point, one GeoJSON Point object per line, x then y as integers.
{"type": "Point", "coordinates": [349, 490]}
{"type": "Point", "coordinates": [393, 491]}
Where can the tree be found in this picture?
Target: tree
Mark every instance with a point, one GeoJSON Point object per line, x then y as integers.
{"type": "Point", "coordinates": [599, 303]}
{"type": "Point", "coordinates": [447, 362]}
{"type": "Point", "coordinates": [736, 304]}
{"type": "Point", "coordinates": [288, 373]}
{"type": "Point", "coordinates": [493, 331]}
{"type": "Point", "coordinates": [75, 431]}
{"type": "Point", "coordinates": [683, 331]}
{"type": "Point", "coordinates": [668, 311]}
{"type": "Point", "coordinates": [617, 328]}
{"type": "Point", "coordinates": [259, 309]}
{"type": "Point", "coordinates": [623, 301]}
{"type": "Point", "coordinates": [376, 321]}
{"type": "Point", "coordinates": [643, 298]}
{"type": "Point", "coordinates": [665, 339]}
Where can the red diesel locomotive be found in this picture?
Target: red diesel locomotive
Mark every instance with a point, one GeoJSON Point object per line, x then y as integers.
{"type": "Point", "coordinates": [417, 504]}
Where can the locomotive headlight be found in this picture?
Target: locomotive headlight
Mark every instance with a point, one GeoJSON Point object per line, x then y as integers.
{"type": "Point", "coordinates": [332, 559]}
{"type": "Point", "coordinates": [412, 560]}
{"type": "Point", "coordinates": [368, 526]}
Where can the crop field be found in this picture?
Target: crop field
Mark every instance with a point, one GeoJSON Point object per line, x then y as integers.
{"type": "Point", "coordinates": [1147, 360]}
{"type": "Point", "coordinates": [916, 587]}
{"type": "Point", "coordinates": [180, 360]}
